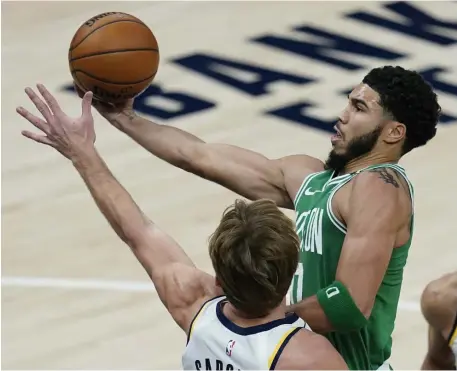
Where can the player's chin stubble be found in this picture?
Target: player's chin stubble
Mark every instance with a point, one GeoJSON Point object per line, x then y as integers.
{"type": "Point", "coordinates": [357, 147]}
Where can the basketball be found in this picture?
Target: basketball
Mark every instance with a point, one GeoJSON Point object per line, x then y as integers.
{"type": "Point", "coordinates": [114, 55]}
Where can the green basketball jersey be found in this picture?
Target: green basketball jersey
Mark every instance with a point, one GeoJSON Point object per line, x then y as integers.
{"type": "Point", "coordinates": [322, 236]}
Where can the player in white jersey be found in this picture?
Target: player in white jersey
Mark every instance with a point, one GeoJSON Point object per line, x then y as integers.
{"type": "Point", "coordinates": [236, 320]}
{"type": "Point", "coordinates": [439, 307]}
{"type": "Point", "coordinates": [217, 342]}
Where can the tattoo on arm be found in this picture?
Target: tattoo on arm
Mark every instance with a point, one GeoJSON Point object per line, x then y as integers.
{"type": "Point", "coordinates": [386, 176]}
{"type": "Point", "coordinates": [116, 121]}
{"type": "Point", "coordinates": [131, 115]}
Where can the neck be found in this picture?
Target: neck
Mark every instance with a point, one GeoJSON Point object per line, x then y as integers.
{"type": "Point", "coordinates": [243, 320]}
{"type": "Point", "coordinates": [367, 160]}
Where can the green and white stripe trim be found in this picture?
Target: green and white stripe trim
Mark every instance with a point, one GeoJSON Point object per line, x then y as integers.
{"type": "Point", "coordinates": [336, 222]}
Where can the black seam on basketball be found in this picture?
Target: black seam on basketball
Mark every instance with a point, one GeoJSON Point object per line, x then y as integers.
{"type": "Point", "coordinates": [115, 52]}
{"type": "Point", "coordinates": [106, 24]}
{"type": "Point", "coordinates": [113, 82]}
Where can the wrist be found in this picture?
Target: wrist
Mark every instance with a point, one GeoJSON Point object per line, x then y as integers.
{"type": "Point", "coordinates": [121, 119]}
{"type": "Point", "coordinates": [86, 158]}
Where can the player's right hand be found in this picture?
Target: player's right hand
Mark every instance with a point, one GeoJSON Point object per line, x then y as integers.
{"type": "Point", "coordinates": [72, 137]}
{"type": "Point", "coordinates": [108, 110]}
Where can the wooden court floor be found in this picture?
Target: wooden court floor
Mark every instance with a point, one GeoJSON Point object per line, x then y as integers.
{"type": "Point", "coordinates": [73, 296]}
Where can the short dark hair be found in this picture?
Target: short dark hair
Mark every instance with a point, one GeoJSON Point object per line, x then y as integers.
{"type": "Point", "coordinates": [409, 99]}
{"type": "Point", "coordinates": [254, 252]}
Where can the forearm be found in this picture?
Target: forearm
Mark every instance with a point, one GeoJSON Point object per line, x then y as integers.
{"type": "Point", "coordinates": [331, 309]}
{"type": "Point", "coordinates": [312, 313]}
{"type": "Point", "coordinates": [168, 143]}
{"type": "Point", "coordinates": [112, 199]}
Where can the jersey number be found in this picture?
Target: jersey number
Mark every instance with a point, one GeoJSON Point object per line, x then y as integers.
{"type": "Point", "coordinates": [296, 289]}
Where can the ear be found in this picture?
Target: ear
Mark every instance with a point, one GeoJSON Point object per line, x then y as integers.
{"type": "Point", "coordinates": [216, 281]}
{"type": "Point", "coordinates": [394, 132]}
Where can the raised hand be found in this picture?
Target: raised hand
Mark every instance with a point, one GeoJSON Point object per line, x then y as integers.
{"type": "Point", "coordinates": [70, 136]}
{"type": "Point", "coordinates": [108, 110]}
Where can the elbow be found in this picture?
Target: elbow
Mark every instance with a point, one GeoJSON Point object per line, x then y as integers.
{"type": "Point", "coordinates": [361, 314]}
{"type": "Point", "coordinates": [363, 300]}
{"type": "Point", "coordinates": [366, 308]}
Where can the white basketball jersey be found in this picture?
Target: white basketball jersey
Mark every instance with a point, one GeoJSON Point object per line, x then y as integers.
{"type": "Point", "coordinates": [453, 341]}
{"type": "Point", "coordinates": [216, 343]}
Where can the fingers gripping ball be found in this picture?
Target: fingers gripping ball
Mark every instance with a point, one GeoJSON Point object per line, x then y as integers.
{"type": "Point", "coordinates": [114, 55]}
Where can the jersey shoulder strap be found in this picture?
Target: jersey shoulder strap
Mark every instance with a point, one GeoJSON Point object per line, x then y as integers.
{"type": "Point", "coordinates": [348, 177]}
{"type": "Point", "coordinates": [278, 346]}
{"type": "Point", "coordinates": [203, 309]}
{"type": "Point", "coordinates": [324, 176]}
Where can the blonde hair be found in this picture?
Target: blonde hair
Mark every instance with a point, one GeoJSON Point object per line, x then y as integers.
{"type": "Point", "coordinates": [254, 252]}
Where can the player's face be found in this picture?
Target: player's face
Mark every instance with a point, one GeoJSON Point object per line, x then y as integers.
{"type": "Point", "coordinates": [361, 116]}
{"type": "Point", "coordinates": [358, 128]}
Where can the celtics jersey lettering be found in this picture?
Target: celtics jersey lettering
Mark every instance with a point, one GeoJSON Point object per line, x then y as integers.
{"type": "Point", "coordinates": [322, 236]}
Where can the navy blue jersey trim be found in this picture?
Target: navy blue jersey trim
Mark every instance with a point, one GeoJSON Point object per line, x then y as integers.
{"type": "Point", "coordinates": [281, 348]}
{"type": "Point", "coordinates": [196, 315]}
{"type": "Point", "coordinates": [245, 331]}
{"type": "Point", "coordinates": [454, 327]}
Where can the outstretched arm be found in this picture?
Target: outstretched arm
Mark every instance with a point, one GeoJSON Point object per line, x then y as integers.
{"type": "Point", "coordinates": [242, 171]}
{"type": "Point", "coordinates": [375, 214]}
{"type": "Point", "coordinates": [181, 287]}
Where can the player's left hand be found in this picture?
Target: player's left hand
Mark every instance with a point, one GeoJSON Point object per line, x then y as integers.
{"type": "Point", "coordinates": [70, 136]}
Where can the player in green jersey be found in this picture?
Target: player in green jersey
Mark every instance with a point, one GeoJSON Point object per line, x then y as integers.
{"type": "Point", "coordinates": [354, 211]}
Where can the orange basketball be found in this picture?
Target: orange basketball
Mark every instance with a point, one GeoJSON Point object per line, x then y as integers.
{"type": "Point", "coordinates": [114, 55]}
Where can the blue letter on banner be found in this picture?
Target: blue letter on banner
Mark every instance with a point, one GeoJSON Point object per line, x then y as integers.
{"type": "Point", "coordinates": [416, 23]}
{"type": "Point", "coordinates": [322, 50]}
{"type": "Point", "coordinates": [226, 71]}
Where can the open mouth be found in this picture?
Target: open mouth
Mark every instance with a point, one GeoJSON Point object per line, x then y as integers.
{"type": "Point", "coordinates": [337, 136]}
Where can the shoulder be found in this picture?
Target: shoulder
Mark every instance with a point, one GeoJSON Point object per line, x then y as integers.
{"type": "Point", "coordinates": [380, 179]}
{"type": "Point", "coordinates": [307, 350]}
{"type": "Point", "coordinates": [296, 168]}
{"type": "Point", "coordinates": [382, 187]}
{"type": "Point", "coordinates": [439, 301]}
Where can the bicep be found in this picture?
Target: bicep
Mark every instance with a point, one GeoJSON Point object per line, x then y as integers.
{"type": "Point", "coordinates": [362, 265]}
{"type": "Point", "coordinates": [365, 254]}
{"type": "Point", "coordinates": [254, 176]}
{"type": "Point", "coordinates": [373, 221]}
